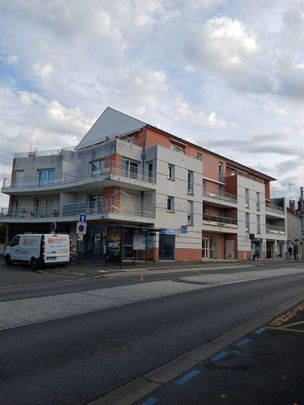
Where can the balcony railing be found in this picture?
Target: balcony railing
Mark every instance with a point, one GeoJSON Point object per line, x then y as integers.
{"type": "Point", "coordinates": [275, 229]}
{"type": "Point", "coordinates": [68, 178]}
{"type": "Point", "coordinates": [220, 221]}
{"type": "Point", "coordinates": [221, 196]}
{"type": "Point", "coordinates": [73, 210]}
{"type": "Point", "coordinates": [274, 208]}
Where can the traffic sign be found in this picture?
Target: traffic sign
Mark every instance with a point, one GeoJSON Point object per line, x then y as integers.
{"type": "Point", "coordinates": [81, 228]}
{"type": "Point", "coordinates": [82, 217]}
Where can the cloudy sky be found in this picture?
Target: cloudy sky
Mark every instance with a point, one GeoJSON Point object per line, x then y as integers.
{"type": "Point", "coordinates": [225, 74]}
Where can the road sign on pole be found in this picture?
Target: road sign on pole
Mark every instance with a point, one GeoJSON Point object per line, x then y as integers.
{"type": "Point", "coordinates": [82, 217]}
{"type": "Point", "coordinates": [81, 228]}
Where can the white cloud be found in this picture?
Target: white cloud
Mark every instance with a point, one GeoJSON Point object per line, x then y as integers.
{"type": "Point", "coordinates": [43, 70]}
{"type": "Point", "coordinates": [223, 44]}
{"type": "Point", "coordinates": [12, 59]}
{"type": "Point", "coordinates": [199, 119]}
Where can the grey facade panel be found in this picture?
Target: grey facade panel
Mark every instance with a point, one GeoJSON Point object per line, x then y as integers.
{"type": "Point", "coordinates": [110, 124]}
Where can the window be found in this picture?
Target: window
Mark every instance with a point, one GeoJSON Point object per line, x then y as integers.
{"type": "Point", "coordinates": [43, 208]}
{"type": "Point", "coordinates": [15, 241]}
{"type": "Point", "coordinates": [129, 168]}
{"type": "Point", "coordinates": [177, 148]}
{"type": "Point", "coordinates": [150, 173]}
{"type": "Point", "coordinates": [95, 203]}
{"type": "Point", "coordinates": [246, 198]}
{"type": "Point", "coordinates": [204, 186]}
{"type": "Point", "coordinates": [258, 224]}
{"type": "Point", "coordinates": [19, 177]}
{"type": "Point", "coordinates": [247, 222]}
{"type": "Point", "coordinates": [46, 176]}
{"type": "Point", "coordinates": [190, 213]}
{"type": "Point", "coordinates": [171, 172]}
{"type": "Point", "coordinates": [258, 202]}
{"type": "Point", "coordinates": [199, 156]}
{"type": "Point", "coordinates": [221, 171]}
{"type": "Point", "coordinates": [222, 190]}
{"type": "Point", "coordinates": [170, 203]}
{"type": "Point", "coordinates": [190, 182]}
{"type": "Point", "coordinates": [97, 167]}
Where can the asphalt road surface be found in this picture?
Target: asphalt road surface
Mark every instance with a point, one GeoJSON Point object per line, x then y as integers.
{"type": "Point", "coordinates": [68, 355]}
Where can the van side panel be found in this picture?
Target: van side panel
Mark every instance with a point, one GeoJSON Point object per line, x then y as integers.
{"type": "Point", "coordinates": [29, 246]}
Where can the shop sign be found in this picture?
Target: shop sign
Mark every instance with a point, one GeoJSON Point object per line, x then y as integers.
{"type": "Point", "coordinates": [167, 232]}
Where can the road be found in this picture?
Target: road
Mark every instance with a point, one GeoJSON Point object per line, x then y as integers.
{"type": "Point", "coordinates": [70, 341]}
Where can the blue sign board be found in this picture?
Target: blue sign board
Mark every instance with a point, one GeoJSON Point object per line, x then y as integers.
{"type": "Point", "coordinates": [184, 229]}
{"type": "Point", "coordinates": [167, 232]}
{"type": "Point", "coordinates": [82, 217]}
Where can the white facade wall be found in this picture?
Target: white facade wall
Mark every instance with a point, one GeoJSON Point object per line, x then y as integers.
{"type": "Point", "coordinates": [177, 188]}
{"type": "Point", "coordinates": [243, 183]}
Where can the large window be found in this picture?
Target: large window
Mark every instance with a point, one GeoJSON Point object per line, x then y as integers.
{"type": "Point", "coordinates": [190, 213]}
{"type": "Point", "coordinates": [129, 168]}
{"type": "Point", "coordinates": [246, 198]}
{"type": "Point", "coordinates": [46, 176]}
{"type": "Point", "coordinates": [190, 187]}
{"type": "Point", "coordinates": [221, 171]}
{"type": "Point", "coordinates": [97, 167]}
{"type": "Point", "coordinates": [95, 203]}
{"type": "Point", "coordinates": [247, 224]}
{"type": "Point", "coordinates": [19, 177]}
{"type": "Point", "coordinates": [43, 208]}
{"type": "Point", "coordinates": [258, 205]}
{"type": "Point", "coordinates": [258, 224]}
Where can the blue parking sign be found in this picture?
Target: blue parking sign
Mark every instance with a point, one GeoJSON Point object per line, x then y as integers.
{"type": "Point", "coordinates": [82, 217]}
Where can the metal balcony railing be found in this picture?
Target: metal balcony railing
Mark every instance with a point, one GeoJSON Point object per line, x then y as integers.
{"type": "Point", "coordinates": [220, 221]}
{"type": "Point", "coordinates": [275, 229]}
{"type": "Point", "coordinates": [223, 196]}
{"type": "Point", "coordinates": [70, 177]}
{"type": "Point", "coordinates": [73, 210]}
{"type": "Point", "coordinates": [274, 208]}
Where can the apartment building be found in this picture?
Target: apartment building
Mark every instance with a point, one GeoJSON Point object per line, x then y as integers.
{"type": "Point", "coordinates": [142, 193]}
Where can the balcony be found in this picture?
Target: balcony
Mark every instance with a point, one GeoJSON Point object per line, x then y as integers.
{"type": "Point", "coordinates": [274, 210]}
{"type": "Point", "coordinates": [112, 174]}
{"type": "Point", "coordinates": [275, 229]}
{"type": "Point", "coordinates": [110, 209]}
{"type": "Point", "coordinates": [220, 222]}
{"type": "Point", "coordinates": [220, 198]}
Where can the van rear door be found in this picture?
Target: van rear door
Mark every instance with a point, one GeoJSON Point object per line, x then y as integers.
{"type": "Point", "coordinates": [56, 248]}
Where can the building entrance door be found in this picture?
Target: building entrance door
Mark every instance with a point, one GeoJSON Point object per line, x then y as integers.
{"type": "Point", "coordinates": [208, 247]}
{"type": "Point", "coordinates": [166, 247]}
{"type": "Point", "coordinates": [93, 248]}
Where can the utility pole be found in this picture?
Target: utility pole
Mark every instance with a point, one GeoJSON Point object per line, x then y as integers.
{"type": "Point", "coordinates": [302, 225]}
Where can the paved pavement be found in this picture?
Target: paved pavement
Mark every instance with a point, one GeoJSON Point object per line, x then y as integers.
{"type": "Point", "coordinates": [264, 367]}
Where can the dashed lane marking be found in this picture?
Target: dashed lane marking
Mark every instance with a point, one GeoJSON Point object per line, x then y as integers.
{"type": "Point", "coordinates": [243, 342]}
{"type": "Point", "coordinates": [150, 401]}
{"type": "Point", "coordinates": [220, 356]}
{"type": "Point", "coordinates": [187, 377]}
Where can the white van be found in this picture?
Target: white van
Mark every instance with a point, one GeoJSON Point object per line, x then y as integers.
{"type": "Point", "coordinates": [38, 249]}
